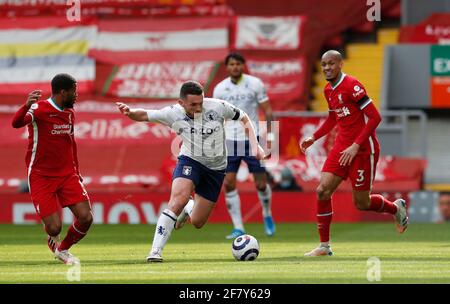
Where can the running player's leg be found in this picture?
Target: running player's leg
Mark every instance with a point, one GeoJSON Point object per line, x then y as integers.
{"type": "Point", "coordinates": [73, 195]}
{"type": "Point", "coordinates": [201, 211]}
{"type": "Point", "coordinates": [53, 226]}
{"type": "Point", "coordinates": [263, 189]}
{"type": "Point", "coordinates": [179, 196]}
{"type": "Point", "coordinates": [80, 226]}
{"type": "Point", "coordinates": [43, 195]}
{"type": "Point", "coordinates": [362, 174]}
{"type": "Point", "coordinates": [232, 198]}
{"type": "Point", "coordinates": [207, 193]}
{"type": "Point", "coordinates": [328, 184]}
{"type": "Point", "coordinates": [265, 198]}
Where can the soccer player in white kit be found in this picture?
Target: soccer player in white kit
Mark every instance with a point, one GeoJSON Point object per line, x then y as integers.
{"type": "Point", "coordinates": [202, 159]}
{"type": "Point", "coordinates": [247, 93]}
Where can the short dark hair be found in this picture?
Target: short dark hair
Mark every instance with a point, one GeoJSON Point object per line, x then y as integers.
{"type": "Point", "coordinates": [235, 56]}
{"type": "Point", "coordinates": [62, 82]}
{"type": "Point", "coordinates": [190, 88]}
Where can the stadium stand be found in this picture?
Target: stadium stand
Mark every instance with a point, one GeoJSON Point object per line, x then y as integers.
{"type": "Point", "coordinates": [124, 159]}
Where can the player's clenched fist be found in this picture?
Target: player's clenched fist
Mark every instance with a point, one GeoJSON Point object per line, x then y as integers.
{"type": "Point", "coordinates": [33, 97]}
{"type": "Point", "coordinates": [124, 109]}
{"type": "Point", "coordinates": [306, 143]}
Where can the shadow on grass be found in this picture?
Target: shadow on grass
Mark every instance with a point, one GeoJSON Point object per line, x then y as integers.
{"type": "Point", "coordinates": [204, 260]}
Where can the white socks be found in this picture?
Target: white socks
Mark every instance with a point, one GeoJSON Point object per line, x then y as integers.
{"type": "Point", "coordinates": [189, 207]}
{"type": "Point", "coordinates": [234, 209]}
{"type": "Point", "coordinates": [265, 197]}
{"type": "Point", "coordinates": [164, 227]}
{"type": "Point", "coordinates": [325, 244]}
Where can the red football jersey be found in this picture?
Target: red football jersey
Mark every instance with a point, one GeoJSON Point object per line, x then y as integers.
{"type": "Point", "coordinates": [51, 144]}
{"type": "Point", "coordinates": [347, 99]}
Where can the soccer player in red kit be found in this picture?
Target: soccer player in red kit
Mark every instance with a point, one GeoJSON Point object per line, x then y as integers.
{"type": "Point", "coordinates": [355, 152]}
{"type": "Point", "coordinates": [53, 176]}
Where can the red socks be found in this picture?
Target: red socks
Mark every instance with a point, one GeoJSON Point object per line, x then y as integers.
{"type": "Point", "coordinates": [324, 216]}
{"type": "Point", "coordinates": [325, 213]}
{"type": "Point", "coordinates": [74, 235]}
{"type": "Point", "coordinates": [379, 204]}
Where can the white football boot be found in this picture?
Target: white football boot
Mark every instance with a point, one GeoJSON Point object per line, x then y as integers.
{"type": "Point", "coordinates": [401, 217]}
{"type": "Point", "coordinates": [66, 257]}
{"type": "Point", "coordinates": [155, 256]}
{"type": "Point", "coordinates": [320, 251]}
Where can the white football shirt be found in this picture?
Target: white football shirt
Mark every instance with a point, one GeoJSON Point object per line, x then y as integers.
{"type": "Point", "coordinates": [246, 95]}
{"type": "Point", "coordinates": [203, 136]}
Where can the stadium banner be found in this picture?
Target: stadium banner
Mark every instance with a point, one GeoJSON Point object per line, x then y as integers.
{"type": "Point", "coordinates": [115, 152]}
{"type": "Point", "coordinates": [268, 33]}
{"type": "Point", "coordinates": [33, 50]}
{"type": "Point", "coordinates": [118, 154]}
{"type": "Point", "coordinates": [440, 76]}
{"type": "Point", "coordinates": [293, 129]}
{"type": "Point", "coordinates": [145, 208]}
{"type": "Point", "coordinates": [282, 77]}
{"type": "Point", "coordinates": [435, 29]}
{"type": "Point", "coordinates": [165, 40]}
{"type": "Point", "coordinates": [158, 79]}
{"type": "Point", "coordinates": [131, 8]}
{"type": "Point", "coordinates": [98, 128]}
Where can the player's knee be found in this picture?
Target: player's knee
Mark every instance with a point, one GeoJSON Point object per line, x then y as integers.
{"type": "Point", "coordinates": [261, 185]}
{"type": "Point", "coordinates": [230, 186]}
{"type": "Point", "coordinates": [53, 229]}
{"type": "Point", "coordinates": [179, 198]}
{"type": "Point", "coordinates": [362, 204]}
{"type": "Point", "coordinates": [86, 218]}
{"type": "Point", "coordinates": [197, 223]}
{"type": "Point", "coordinates": [323, 193]}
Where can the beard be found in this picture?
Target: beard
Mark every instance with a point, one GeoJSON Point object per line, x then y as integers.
{"type": "Point", "coordinates": [69, 103]}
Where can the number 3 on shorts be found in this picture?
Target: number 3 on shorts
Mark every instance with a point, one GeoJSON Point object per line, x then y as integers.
{"type": "Point", "coordinates": [360, 176]}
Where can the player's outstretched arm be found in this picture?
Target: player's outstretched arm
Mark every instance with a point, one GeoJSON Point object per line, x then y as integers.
{"type": "Point", "coordinates": [324, 129]}
{"type": "Point", "coordinates": [134, 114]}
{"type": "Point", "coordinates": [21, 118]}
{"type": "Point", "coordinates": [306, 143]}
{"type": "Point", "coordinates": [258, 151]}
{"type": "Point", "coordinates": [268, 113]}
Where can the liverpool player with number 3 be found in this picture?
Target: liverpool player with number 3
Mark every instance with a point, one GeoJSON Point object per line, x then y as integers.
{"type": "Point", "coordinates": [354, 154]}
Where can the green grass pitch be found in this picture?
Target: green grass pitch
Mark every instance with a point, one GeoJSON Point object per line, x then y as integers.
{"type": "Point", "coordinates": [116, 254]}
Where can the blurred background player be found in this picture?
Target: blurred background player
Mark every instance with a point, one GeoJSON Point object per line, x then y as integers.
{"type": "Point", "coordinates": [355, 152]}
{"type": "Point", "coordinates": [53, 173]}
{"type": "Point", "coordinates": [287, 181]}
{"type": "Point", "coordinates": [247, 93]}
{"type": "Point", "coordinates": [444, 207]}
{"type": "Point", "coordinates": [201, 162]}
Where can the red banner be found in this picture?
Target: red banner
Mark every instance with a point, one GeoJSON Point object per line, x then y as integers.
{"type": "Point", "coordinates": [165, 40]}
{"type": "Point", "coordinates": [283, 78]}
{"type": "Point", "coordinates": [116, 153]}
{"type": "Point", "coordinates": [93, 128]}
{"type": "Point", "coordinates": [158, 79]}
{"type": "Point", "coordinates": [293, 129]}
{"type": "Point", "coordinates": [132, 8]}
{"type": "Point", "coordinates": [268, 33]}
{"type": "Point", "coordinates": [94, 3]}
{"type": "Point", "coordinates": [145, 208]}
{"type": "Point", "coordinates": [435, 29]}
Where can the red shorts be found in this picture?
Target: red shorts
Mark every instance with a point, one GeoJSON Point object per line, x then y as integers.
{"type": "Point", "coordinates": [49, 193]}
{"type": "Point", "coordinates": [361, 171]}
